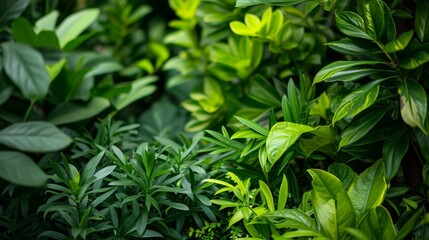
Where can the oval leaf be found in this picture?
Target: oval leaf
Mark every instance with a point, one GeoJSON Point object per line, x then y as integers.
{"type": "Point", "coordinates": [34, 137]}
{"type": "Point", "coordinates": [394, 150]}
{"type": "Point", "coordinates": [18, 168]}
{"type": "Point", "coordinates": [11, 9]}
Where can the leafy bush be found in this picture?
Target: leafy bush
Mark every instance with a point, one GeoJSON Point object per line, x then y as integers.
{"type": "Point", "coordinates": [293, 119]}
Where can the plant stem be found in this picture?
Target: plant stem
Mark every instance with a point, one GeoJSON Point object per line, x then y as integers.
{"type": "Point", "coordinates": [27, 113]}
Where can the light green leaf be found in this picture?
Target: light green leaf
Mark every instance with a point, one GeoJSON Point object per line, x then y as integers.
{"type": "Point", "coordinates": [282, 136]}
{"type": "Point", "coordinates": [47, 22]}
{"type": "Point", "coordinates": [345, 71]}
{"type": "Point", "coordinates": [292, 218]}
{"type": "Point", "coordinates": [357, 101]}
{"type": "Point", "coordinates": [399, 43]}
{"type": "Point", "coordinates": [378, 224]}
{"type": "Point", "coordinates": [139, 88]}
{"type": "Point", "coordinates": [415, 60]}
{"type": "Point", "coordinates": [34, 137]}
{"type": "Point", "coordinates": [246, 3]}
{"type": "Point", "coordinates": [11, 9]}
{"type": "Point", "coordinates": [25, 67]}
{"type": "Point", "coordinates": [238, 215]}
{"type": "Point", "coordinates": [413, 104]}
{"type": "Point", "coordinates": [75, 24]}
{"type": "Point", "coordinates": [394, 150]}
{"type": "Point", "coordinates": [267, 195]}
{"type": "Point", "coordinates": [55, 69]}
{"type": "Point", "coordinates": [283, 194]}
{"type": "Point", "coordinates": [73, 112]}
{"type": "Point", "coordinates": [360, 127]}
{"type": "Point", "coordinates": [369, 189]}
{"type": "Point", "coordinates": [18, 168]}
{"type": "Point", "coordinates": [240, 28]}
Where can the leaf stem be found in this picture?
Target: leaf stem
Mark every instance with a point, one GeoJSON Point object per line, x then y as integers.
{"type": "Point", "coordinates": [27, 113]}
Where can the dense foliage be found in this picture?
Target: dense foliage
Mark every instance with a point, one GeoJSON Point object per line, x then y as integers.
{"type": "Point", "coordinates": [226, 119]}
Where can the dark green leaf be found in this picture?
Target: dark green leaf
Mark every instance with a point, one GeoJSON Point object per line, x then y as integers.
{"type": "Point", "coordinates": [22, 31]}
{"type": "Point", "coordinates": [415, 60]}
{"type": "Point", "coordinates": [25, 67]}
{"type": "Point", "coordinates": [344, 71]}
{"type": "Point", "coordinates": [351, 24]}
{"type": "Point", "coordinates": [373, 15]}
{"type": "Point", "coordinates": [18, 168]}
{"type": "Point", "coordinates": [352, 47]}
{"type": "Point", "coordinates": [394, 150]}
{"type": "Point", "coordinates": [421, 24]}
{"type": "Point", "coordinates": [378, 224]}
{"type": "Point", "coordinates": [343, 172]}
{"type": "Point", "coordinates": [34, 137]}
{"type": "Point", "coordinates": [11, 9]}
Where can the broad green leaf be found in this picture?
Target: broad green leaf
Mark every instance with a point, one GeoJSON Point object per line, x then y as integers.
{"type": "Point", "coordinates": [139, 88]}
{"type": "Point", "coordinates": [360, 127]}
{"type": "Point", "coordinates": [34, 137]}
{"type": "Point", "coordinates": [292, 218]}
{"type": "Point", "coordinates": [73, 112]}
{"type": "Point", "coordinates": [413, 104]}
{"type": "Point", "coordinates": [415, 60]}
{"type": "Point", "coordinates": [323, 136]}
{"type": "Point", "coordinates": [47, 39]}
{"type": "Point", "coordinates": [345, 71]}
{"type": "Point", "coordinates": [399, 43]}
{"type": "Point", "coordinates": [11, 9]}
{"type": "Point", "coordinates": [22, 31]}
{"type": "Point", "coordinates": [357, 101]}
{"type": "Point", "coordinates": [18, 168]}
{"type": "Point", "coordinates": [421, 24]}
{"type": "Point", "coordinates": [369, 189]}
{"type": "Point", "coordinates": [373, 16]}
{"type": "Point", "coordinates": [378, 224]}
{"type": "Point", "coordinates": [351, 24]}
{"type": "Point", "coordinates": [326, 185]}
{"type": "Point", "coordinates": [25, 67]}
{"type": "Point", "coordinates": [282, 136]}
{"type": "Point", "coordinates": [75, 24]}
{"type": "Point", "coordinates": [394, 150]}
{"type": "Point", "coordinates": [47, 22]}
{"type": "Point", "coordinates": [238, 215]}
{"type": "Point", "coordinates": [423, 141]}
{"type": "Point", "coordinates": [240, 28]}
{"type": "Point", "coordinates": [268, 196]}
{"type": "Point", "coordinates": [352, 47]}
{"type": "Point", "coordinates": [246, 3]}
{"type": "Point", "coordinates": [343, 172]}
{"type": "Point", "coordinates": [283, 194]}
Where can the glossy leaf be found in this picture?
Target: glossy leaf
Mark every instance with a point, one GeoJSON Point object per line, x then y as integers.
{"type": "Point", "coordinates": [357, 101]}
{"type": "Point", "coordinates": [345, 71]}
{"type": "Point", "coordinates": [413, 104]}
{"type": "Point", "coordinates": [282, 136]}
{"type": "Point", "coordinates": [369, 189]}
{"type": "Point", "coordinates": [351, 24]}
{"type": "Point", "coordinates": [18, 168]}
{"type": "Point", "coordinates": [34, 137]}
{"type": "Point", "coordinates": [421, 24]}
{"type": "Point", "coordinates": [268, 196]}
{"type": "Point", "coordinates": [394, 150]}
{"type": "Point", "coordinates": [351, 47]}
{"type": "Point", "coordinates": [293, 218]}
{"type": "Point", "coordinates": [378, 224]}
{"type": "Point", "coordinates": [11, 9]}
{"type": "Point", "coordinates": [25, 67]}
{"type": "Point", "coordinates": [373, 16]}
{"type": "Point", "coordinates": [399, 43]}
{"type": "Point", "coordinates": [73, 112]}
{"type": "Point", "coordinates": [414, 60]}
{"type": "Point", "coordinates": [75, 24]}
{"type": "Point", "coordinates": [360, 127]}
{"type": "Point", "coordinates": [343, 172]}
{"type": "Point", "coordinates": [283, 194]}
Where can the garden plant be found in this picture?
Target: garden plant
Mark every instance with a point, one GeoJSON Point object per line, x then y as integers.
{"type": "Point", "coordinates": [214, 119]}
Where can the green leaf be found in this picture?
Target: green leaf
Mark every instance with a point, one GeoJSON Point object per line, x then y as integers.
{"type": "Point", "coordinates": [11, 9]}
{"type": "Point", "coordinates": [22, 31]}
{"type": "Point", "coordinates": [421, 24]}
{"type": "Point", "coordinates": [283, 194]}
{"type": "Point", "coordinates": [47, 39]}
{"type": "Point", "coordinates": [246, 3]}
{"type": "Point", "coordinates": [394, 150]}
{"type": "Point", "coordinates": [240, 28]}
{"type": "Point", "coordinates": [373, 16]}
{"type": "Point", "coordinates": [34, 137]}
{"type": "Point", "coordinates": [282, 136]}
{"type": "Point", "coordinates": [47, 22]}
{"type": "Point", "coordinates": [5, 94]}
{"type": "Point", "coordinates": [139, 88]}
{"type": "Point", "coordinates": [72, 112]}
{"type": "Point", "coordinates": [369, 189]}
{"type": "Point", "coordinates": [75, 24]}
{"type": "Point", "coordinates": [25, 67]}
{"type": "Point", "coordinates": [360, 127]}
{"type": "Point", "coordinates": [378, 224]}
{"type": "Point", "coordinates": [343, 172]}
{"type": "Point", "coordinates": [18, 168]}
{"type": "Point", "coordinates": [268, 196]}
{"type": "Point", "coordinates": [357, 101]}
{"type": "Point", "coordinates": [352, 47]}
{"type": "Point", "coordinates": [292, 218]}
{"type": "Point", "coordinates": [399, 43]}
{"type": "Point", "coordinates": [413, 104]}
{"type": "Point", "coordinates": [415, 60]}
{"type": "Point", "coordinates": [346, 71]}
{"type": "Point", "coordinates": [254, 126]}
{"type": "Point", "coordinates": [238, 215]}
{"type": "Point", "coordinates": [351, 24]}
